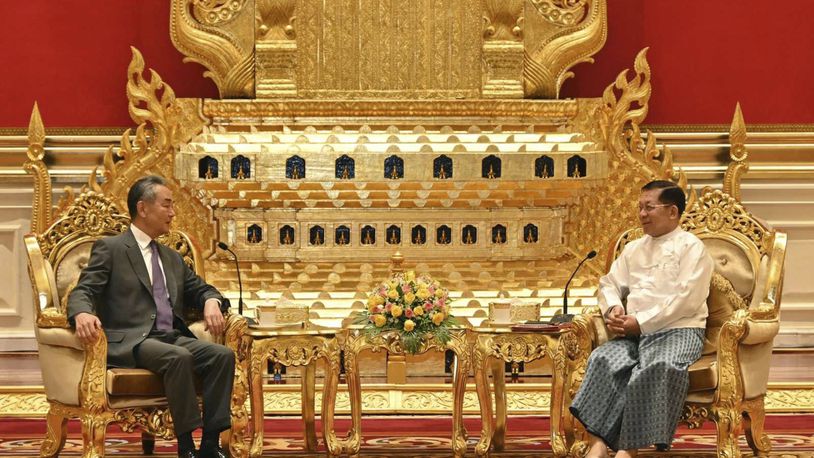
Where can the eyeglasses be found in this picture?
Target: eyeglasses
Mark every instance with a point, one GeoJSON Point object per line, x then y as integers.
{"type": "Point", "coordinates": [649, 208]}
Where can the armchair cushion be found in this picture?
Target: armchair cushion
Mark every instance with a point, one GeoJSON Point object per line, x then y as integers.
{"type": "Point", "coordinates": [704, 374]}
{"type": "Point", "coordinates": [133, 382]}
{"type": "Point", "coordinates": [723, 300]}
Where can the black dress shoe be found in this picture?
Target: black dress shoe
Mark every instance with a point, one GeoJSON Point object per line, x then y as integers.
{"type": "Point", "coordinates": [212, 452]}
{"type": "Point", "coordinates": [188, 454]}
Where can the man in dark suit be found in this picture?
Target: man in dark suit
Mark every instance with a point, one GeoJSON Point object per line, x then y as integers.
{"type": "Point", "coordinates": [136, 290]}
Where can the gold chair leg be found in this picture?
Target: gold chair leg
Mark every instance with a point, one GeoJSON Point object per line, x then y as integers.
{"type": "Point", "coordinates": [256, 402]}
{"type": "Point", "coordinates": [459, 390]}
{"type": "Point", "coordinates": [754, 418]}
{"type": "Point", "coordinates": [309, 372]}
{"type": "Point", "coordinates": [93, 436]}
{"type": "Point", "coordinates": [332, 445]}
{"type": "Point", "coordinates": [353, 442]}
{"type": "Point", "coordinates": [485, 400]}
{"type": "Point", "coordinates": [727, 420]}
{"type": "Point", "coordinates": [499, 379]}
{"type": "Point", "coordinates": [55, 435]}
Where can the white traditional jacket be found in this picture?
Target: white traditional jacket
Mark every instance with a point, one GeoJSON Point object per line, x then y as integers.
{"type": "Point", "coordinates": [665, 281]}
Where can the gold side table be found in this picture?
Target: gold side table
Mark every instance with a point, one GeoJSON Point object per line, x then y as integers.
{"type": "Point", "coordinates": [295, 347]}
{"type": "Point", "coordinates": [495, 346]}
{"type": "Point", "coordinates": [356, 342]}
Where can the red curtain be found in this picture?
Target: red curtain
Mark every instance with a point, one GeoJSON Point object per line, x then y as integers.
{"type": "Point", "coordinates": [72, 55]}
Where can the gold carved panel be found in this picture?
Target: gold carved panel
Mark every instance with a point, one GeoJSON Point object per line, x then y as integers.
{"type": "Point", "coordinates": [385, 49]}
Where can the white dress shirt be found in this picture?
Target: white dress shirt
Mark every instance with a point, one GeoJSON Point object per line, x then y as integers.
{"type": "Point", "coordinates": [143, 241]}
{"type": "Point", "coordinates": [664, 279]}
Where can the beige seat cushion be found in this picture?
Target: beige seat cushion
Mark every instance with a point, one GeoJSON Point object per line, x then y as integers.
{"type": "Point", "coordinates": [133, 382]}
{"type": "Point", "coordinates": [137, 382]}
{"type": "Point", "coordinates": [704, 374]}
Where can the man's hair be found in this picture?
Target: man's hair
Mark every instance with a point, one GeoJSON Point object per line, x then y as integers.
{"type": "Point", "coordinates": [671, 194]}
{"type": "Point", "coordinates": [143, 189]}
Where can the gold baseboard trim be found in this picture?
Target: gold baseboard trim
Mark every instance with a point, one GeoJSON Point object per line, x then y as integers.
{"type": "Point", "coordinates": [522, 399]}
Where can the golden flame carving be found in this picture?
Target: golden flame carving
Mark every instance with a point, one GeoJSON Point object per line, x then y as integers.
{"type": "Point", "coordinates": [599, 217]}
{"type": "Point", "coordinates": [547, 64]}
{"type": "Point", "coordinates": [41, 207]}
{"type": "Point", "coordinates": [225, 48]}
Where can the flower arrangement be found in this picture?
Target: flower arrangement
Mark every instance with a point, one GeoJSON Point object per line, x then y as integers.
{"type": "Point", "coordinates": [414, 306]}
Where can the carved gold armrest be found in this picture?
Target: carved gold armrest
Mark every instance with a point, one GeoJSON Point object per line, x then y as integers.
{"type": "Point", "coordinates": [730, 379]}
{"type": "Point", "coordinates": [760, 331]}
{"type": "Point", "coordinates": [92, 388]}
{"type": "Point", "coordinates": [594, 325]}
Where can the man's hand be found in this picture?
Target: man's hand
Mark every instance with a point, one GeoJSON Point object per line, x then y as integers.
{"type": "Point", "coordinates": [213, 317]}
{"type": "Point", "coordinates": [622, 325]}
{"type": "Point", "coordinates": [87, 327]}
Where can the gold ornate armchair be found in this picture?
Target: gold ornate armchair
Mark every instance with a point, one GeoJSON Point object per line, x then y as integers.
{"type": "Point", "coordinates": [77, 382]}
{"type": "Point", "coordinates": [728, 383]}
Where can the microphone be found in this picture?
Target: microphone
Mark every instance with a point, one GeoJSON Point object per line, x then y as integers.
{"type": "Point", "coordinates": [225, 247]}
{"type": "Point", "coordinates": [566, 317]}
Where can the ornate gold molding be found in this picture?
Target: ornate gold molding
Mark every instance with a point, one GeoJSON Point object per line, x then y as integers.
{"type": "Point", "coordinates": [276, 48]}
{"type": "Point", "coordinates": [503, 49]}
{"type": "Point", "coordinates": [219, 36]}
{"type": "Point", "coordinates": [253, 110]}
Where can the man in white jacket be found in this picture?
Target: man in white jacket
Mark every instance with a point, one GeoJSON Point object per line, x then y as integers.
{"type": "Point", "coordinates": [654, 303]}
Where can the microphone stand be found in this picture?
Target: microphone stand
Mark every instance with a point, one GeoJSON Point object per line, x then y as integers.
{"type": "Point", "coordinates": [566, 317]}
{"type": "Point", "coordinates": [225, 247]}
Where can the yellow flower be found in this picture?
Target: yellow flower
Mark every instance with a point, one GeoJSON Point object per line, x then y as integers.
{"type": "Point", "coordinates": [409, 275]}
{"type": "Point", "coordinates": [439, 292]}
{"type": "Point", "coordinates": [409, 298]}
{"type": "Point", "coordinates": [437, 318]}
{"type": "Point", "coordinates": [393, 294]}
{"type": "Point", "coordinates": [392, 284]}
{"type": "Point", "coordinates": [396, 311]}
{"type": "Point", "coordinates": [409, 325]}
{"type": "Point", "coordinates": [379, 320]}
{"type": "Point", "coordinates": [374, 300]}
{"type": "Point", "coordinates": [423, 293]}
{"type": "Point", "coordinates": [418, 311]}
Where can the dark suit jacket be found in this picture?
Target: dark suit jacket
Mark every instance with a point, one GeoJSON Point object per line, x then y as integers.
{"type": "Point", "coordinates": [116, 287]}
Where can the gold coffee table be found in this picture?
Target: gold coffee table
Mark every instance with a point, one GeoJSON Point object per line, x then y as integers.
{"type": "Point", "coordinates": [295, 347]}
{"type": "Point", "coordinates": [356, 342]}
{"type": "Point", "coordinates": [497, 345]}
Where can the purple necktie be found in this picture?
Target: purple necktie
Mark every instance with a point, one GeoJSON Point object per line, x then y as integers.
{"type": "Point", "coordinates": [163, 321]}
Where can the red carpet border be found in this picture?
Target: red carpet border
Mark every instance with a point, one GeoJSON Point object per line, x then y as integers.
{"type": "Point", "coordinates": [792, 437]}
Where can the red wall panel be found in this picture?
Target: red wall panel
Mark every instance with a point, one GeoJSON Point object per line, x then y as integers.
{"type": "Point", "coordinates": [72, 56]}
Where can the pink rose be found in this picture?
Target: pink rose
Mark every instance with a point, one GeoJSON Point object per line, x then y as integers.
{"type": "Point", "coordinates": [408, 312]}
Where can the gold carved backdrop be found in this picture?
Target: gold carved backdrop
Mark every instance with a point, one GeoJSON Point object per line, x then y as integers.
{"type": "Point", "coordinates": [384, 49]}
{"type": "Point", "coordinates": [348, 131]}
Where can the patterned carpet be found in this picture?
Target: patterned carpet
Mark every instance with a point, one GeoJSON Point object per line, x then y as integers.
{"type": "Point", "coordinates": [792, 437]}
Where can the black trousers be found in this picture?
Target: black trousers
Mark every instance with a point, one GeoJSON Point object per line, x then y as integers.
{"type": "Point", "coordinates": [178, 359]}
